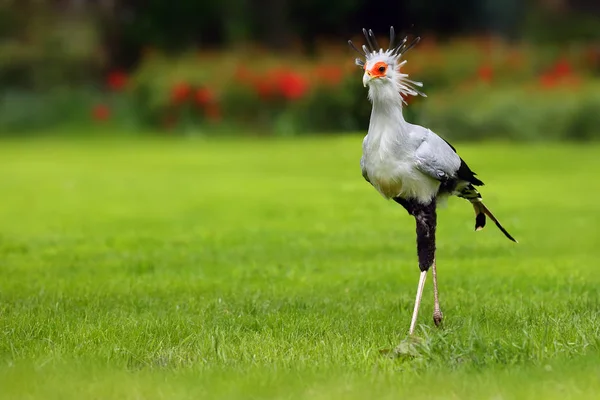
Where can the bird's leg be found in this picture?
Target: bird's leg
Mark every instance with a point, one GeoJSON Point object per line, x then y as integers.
{"type": "Point", "coordinates": [425, 217]}
{"type": "Point", "coordinates": [413, 322]}
{"type": "Point", "coordinates": [437, 312]}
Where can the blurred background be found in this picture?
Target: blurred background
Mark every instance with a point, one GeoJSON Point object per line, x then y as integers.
{"type": "Point", "coordinates": [523, 70]}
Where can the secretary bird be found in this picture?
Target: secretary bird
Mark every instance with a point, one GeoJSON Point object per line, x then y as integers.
{"type": "Point", "coordinates": [409, 163]}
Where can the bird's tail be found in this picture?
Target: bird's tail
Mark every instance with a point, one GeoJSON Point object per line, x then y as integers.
{"type": "Point", "coordinates": [480, 212]}
{"type": "Point", "coordinates": [471, 194]}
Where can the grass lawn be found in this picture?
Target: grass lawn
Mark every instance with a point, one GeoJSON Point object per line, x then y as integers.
{"type": "Point", "coordinates": [180, 269]}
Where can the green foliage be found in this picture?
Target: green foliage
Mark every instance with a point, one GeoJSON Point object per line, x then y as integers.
{"type": "Point", "coordinates": [28, 113]}
{"type": "Point", "coordinates": [567, 27]}
{"type": "Point", "coordinates": [272, 95]}
{"type": "Point", "coordinates": [477, 88]}
{"type": "Point", "coordinates": [471, 95]}
{"type": "Point", "coordinates": [515, 113]}
{"type": "Point", "coordinates": [41, 50]}
{"type": "Point", "coordinates": [269, 269]}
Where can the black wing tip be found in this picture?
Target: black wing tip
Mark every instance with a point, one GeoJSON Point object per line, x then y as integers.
{"type": "Point", "coordinates": [476, 181]}
{"type": "Point", "coordinates": [465, 173]}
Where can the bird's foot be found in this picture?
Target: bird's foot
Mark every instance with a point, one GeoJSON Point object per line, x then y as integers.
{"type": "Point", "coordinates": [437, 317]}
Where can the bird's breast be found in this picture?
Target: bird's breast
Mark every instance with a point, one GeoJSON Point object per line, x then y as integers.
{"type": "Point", "coordinates": [387, 176]}
{"type": "Point", "coordinates": [394, 174]}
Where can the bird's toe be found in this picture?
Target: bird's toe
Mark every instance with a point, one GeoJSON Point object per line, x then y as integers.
{"type": "Point", "coordinates": [437, 317]}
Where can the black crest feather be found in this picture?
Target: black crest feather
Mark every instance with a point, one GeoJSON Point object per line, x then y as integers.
{"type": "Point", "coordinates": [372, 46]}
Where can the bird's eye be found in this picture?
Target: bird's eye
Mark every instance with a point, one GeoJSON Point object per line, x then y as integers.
{"type": "Point", "coordinates": [379, 69]}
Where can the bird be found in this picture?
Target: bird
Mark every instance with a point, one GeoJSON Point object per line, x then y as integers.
{"type": "Point", "coordinates": [409, 163]}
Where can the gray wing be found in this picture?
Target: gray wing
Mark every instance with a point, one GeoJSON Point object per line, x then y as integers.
{"type": "Point", "coordinates": [362, 160]}
{"type": "Point", "coordinates": [364, 170]}
{"type": "Point", "coordinates": [437, 158]}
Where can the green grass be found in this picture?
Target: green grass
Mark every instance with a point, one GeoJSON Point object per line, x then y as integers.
{"type": "Point", "coordinates": [249, 269]}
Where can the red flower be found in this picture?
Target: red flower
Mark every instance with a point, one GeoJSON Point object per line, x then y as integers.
{"type": "Point", "coordinates": [486, 73]}
{"type": "Point", "coordinates": [277, 82]}
{"type": "Point", "coordinates": [204, 96]}
{"type": "Point", "coordinates": [562, 68]}
{"type": "Point", "coordinates": [117, 80]}
{"type": "Point", "coordinates": [292, 85]}
{"type": "Point", "coordinates": [560, 73]}
{"type": "Point", "coordinates": [101, 112]}
{"type": "Point", "coordinates": [180, 93]}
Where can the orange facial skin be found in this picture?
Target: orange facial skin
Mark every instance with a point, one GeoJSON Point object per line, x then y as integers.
{"type": "Point", "coordinates": [378, 70]}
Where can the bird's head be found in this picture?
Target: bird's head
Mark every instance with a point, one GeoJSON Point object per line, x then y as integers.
{"type": "Point", "coordinates": [382, 68]}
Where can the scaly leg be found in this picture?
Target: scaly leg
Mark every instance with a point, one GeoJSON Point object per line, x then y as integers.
{"type": "Point", "coordinates": [413, 322]}
{"type": "Point", "coordinates": [425, 217]}
{"type": "Point", "coordinates": [437, 312]}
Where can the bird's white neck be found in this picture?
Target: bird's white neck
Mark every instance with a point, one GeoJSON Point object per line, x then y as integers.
{"type": "Point", "coordinates": [386, 115]}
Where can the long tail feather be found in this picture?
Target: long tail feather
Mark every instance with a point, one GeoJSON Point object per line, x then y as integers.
{"type": "Point", "coordinates": [481, 211]}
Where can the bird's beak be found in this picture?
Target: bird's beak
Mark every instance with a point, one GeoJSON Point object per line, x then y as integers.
{"type": "Point", "coordinates": [366, 78]}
